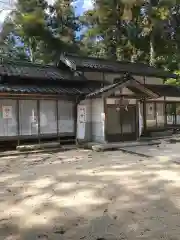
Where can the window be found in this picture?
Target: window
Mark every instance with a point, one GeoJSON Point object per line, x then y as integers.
{"type": "Point", "coordinates": [150, 115]}
{"type": "Point", "coordinates": [66, 118]}
{"type": "Point", "coordinates": [170, 113]}
{"type": "Point", "coordinates": [28, 118]}
{"type": "Point", "coordinates": [177, 113]}
{"type": "Point", "coordinates": [160, 114]}
{"type": "Point", "coordinates": [48, 118]}
{"type": "Point", "coordinates": [8, 123]}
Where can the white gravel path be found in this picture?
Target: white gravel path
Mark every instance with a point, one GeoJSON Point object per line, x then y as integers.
{"type": "Point", "coordinates": [85, 195]}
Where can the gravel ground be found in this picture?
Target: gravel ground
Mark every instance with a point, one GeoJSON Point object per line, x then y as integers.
{"type": "Point", "coordinates": [85, 195]}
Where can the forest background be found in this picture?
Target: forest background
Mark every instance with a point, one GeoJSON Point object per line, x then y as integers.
{"type": "Point", "coordinates": [128, 30]}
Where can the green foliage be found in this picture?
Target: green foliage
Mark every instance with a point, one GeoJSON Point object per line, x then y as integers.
{"type": "Point", "coordinates": [131, 30]}
{"type": "Point", "coordinates": [146, 31]}
{"type": "Point", "coordinates": [172, 81]}
{"type": "Point", "coordinates": [45, 30]}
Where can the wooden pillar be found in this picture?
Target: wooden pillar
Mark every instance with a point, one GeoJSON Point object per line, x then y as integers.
{"type": "Point", "coordinates": [75, 118]}
{"type": "Point", "coordinates": [38, 117]}
{"type": "Point", "coordinates": [57, 118]}
{"type": "Point", "coordinates": [103, 84]}
{"type": "Point", "coordinates": [155, 108]}
{"type": "Point", "coordinates": [137, 118]}
{"type": "Point", "coordinates": [105, 119]}
{"type": "Point", "coordinates": [18, 121]}
{"type": "Point", "coordinates": [144, 117]}
{"type": "Point", "coordinates": [77, 101]}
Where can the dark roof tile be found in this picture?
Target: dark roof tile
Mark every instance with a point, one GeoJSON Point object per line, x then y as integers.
{"type": "Point", "coordinates": [61, 90]}
{"type": "Point", "coordinates": [128, 82]}
{"type": "Point", "coordinates": [77, 62]}
{"type": "Point", "coordinates": [35, 71]}
{"type": "Point", "coordinates": [165, 90]}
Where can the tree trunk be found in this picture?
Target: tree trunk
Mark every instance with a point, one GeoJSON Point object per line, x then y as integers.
{"type": "Point", "coordinates": [31, 50]}
{"type": "Point", "coordinates": [134, 55]}
{"type": "Point", "coordinates": [151, 51]}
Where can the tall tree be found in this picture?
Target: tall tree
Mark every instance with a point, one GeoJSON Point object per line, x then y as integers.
{"type": "Point", "coordinates": [46, 30]}
{"type": "Point", "coordinates": [133, 30]}
{"type": "Point", "coordinates": [110, 21]}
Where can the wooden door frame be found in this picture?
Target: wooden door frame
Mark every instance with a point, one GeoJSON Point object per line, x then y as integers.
{"type": "Point", "coordinates": [122, 137]}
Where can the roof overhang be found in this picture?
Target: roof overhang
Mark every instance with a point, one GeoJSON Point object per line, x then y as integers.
{"type": "Point", "coordinates": [151, 94]}
{"type": "Point", "coordinates": [125, 81]}
{"type": "Point", "coordinates": [92, 64]}
{"type": "Point", "coordinates": [165, 90]}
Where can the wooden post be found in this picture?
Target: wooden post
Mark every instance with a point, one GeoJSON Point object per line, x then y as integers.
{"type": "Point", "coordinates": [144, 117]}
{"type": "Point", "coordinates": [105, 120]}
{"type": "Point", "coordinates": [38, 116]}
{"type": "Point", "coordinates": [75, 120]}
{"type": "Point", "coordinates": [137, 119]}
{"type": "Point", "coordinates": [18, 121]}
{"type": "Point", "coordinates": [155, 109]}
{"type": "Point", "coordinates": [57, 118]}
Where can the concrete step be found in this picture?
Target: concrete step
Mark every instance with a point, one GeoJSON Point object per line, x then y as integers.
{"type": "Point", "coordinates": [38, 146]}
{"type": "Point", "coordinates": [115, 146]}
{"type": "Point", "coordinates": [162, 133]}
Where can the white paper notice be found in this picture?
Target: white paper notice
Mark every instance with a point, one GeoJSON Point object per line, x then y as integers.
{"type": "Point", "coordinates": [82, 114]}
{"type": "Point", "coordinates": [81, 122]}
{"type": "Point", "coordinates": [140, 122]}
{"type": "Point", "coordinates": [7, 112]}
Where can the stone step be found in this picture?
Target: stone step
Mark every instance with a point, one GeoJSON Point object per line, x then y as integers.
{"type": "Point", "coordinates": [31, 147]}
{"type": "Point", "coordinates": [115, 146]}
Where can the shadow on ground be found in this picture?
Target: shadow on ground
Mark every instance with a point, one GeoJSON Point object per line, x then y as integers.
{"type": "Point", "coordinates": [85, 195]}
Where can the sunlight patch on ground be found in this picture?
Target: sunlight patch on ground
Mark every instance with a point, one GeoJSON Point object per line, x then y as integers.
{"type": "Point", "coordinates": [6, 177]}
{"type": "Point", "coordinates": [37, 200]}
{"type": "Point", "coordinates": [43, 182]}
{"type": "Point", "coordinates": [163, 158]}
{"type": "Point", "coordinates": [32, 219]}
{"type": "Point", "coordinates": [82, 200]}
{"type": "Point", "coordinates": [126, 194]}
{"type": "Point", "coordinates": [64, 186]}
{"type": "Point", "coordinates": [9, 157]}
{"type": "Point", "coordinates": [15, 211]}
{"type": "Point", "coordinates": [29, 192]}
{"type": "Point", "coordinates": [169, 175]}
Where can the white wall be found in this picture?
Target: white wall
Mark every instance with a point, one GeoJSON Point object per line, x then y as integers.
{"type": "Point", "coordinates": [173, 99]}
{"type": "Point", "coordinates": [109, 77]}
{"type": "Point", "coordinates": [84, 129]}
{"type": "Point", "coordinates": [28, 117]}
{"type": "Point", "coordinates": [153, 80]}
{"type": "Point", "coordinates": [48, 117]}
{"type": "Point", "coordinates": [149, 80]}
{"type": "Point", "coordinates": [66, 118]}
{"type": "Point", "coordinates": [100, 76]}
{"type": "Point", "coordinates": [98, 120]}
{"type": "Point", "coordinates": [93, 128]}
{"type": "Point", "coordinates": [8, 126]}
{"type": "Point", "coordinates": [139, 79]}
{"type": "Point", "coordinates": [113, 101]}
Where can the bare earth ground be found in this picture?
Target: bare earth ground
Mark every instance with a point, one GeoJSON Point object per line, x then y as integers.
{"type": "Point", "coordinates": [85, 195]}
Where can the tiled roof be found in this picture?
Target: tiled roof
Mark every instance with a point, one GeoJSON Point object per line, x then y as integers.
{"type": "Point", "coordinates": [99, 64]}
{"type": "Point", "coordinates": [165, 90]}
{"type": "Point", "coordinates": [34, 71]}
{"type": "Point", "coordinates": [61, 90]}
{"type": "Point", "coordinates": [125, 81]}
{"type": "Point", "coordinates": [103, 90]}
